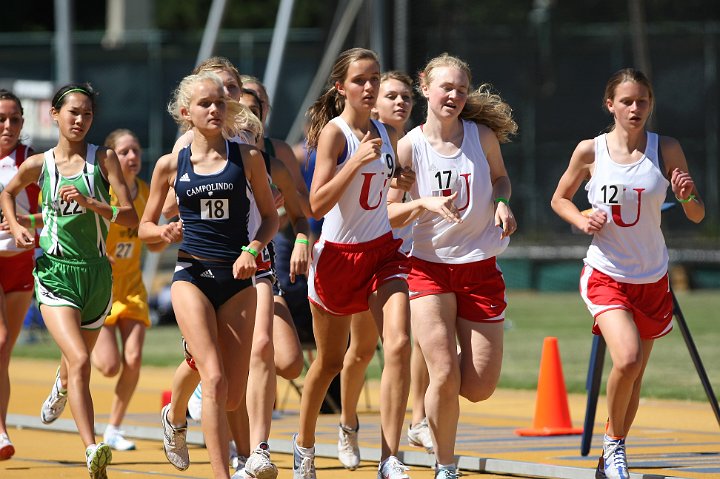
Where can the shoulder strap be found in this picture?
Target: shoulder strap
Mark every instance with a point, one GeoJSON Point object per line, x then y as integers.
{"type": "Point", "coordinates": [661, 162]}
{"type": "Point", "coordinates": [21, 153]}
{"type": "Point", "coordinates": [269, 147]}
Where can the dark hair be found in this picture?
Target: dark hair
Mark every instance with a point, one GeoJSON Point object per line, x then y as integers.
{"type": "Point", "coordinates": [331, 103]}
{"type": "Point", "coordinates": [8, 95]}
{"type": "Point", "coordinates": [254, 94]}
{"type": "Point", "coordinates": [85, 88]}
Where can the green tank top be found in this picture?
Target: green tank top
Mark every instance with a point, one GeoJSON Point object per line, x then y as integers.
{"type": "Point", "coordinates": [71, 231]}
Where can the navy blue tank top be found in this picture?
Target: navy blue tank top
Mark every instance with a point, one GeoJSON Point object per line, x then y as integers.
{"type": "Point", "coordinates": [214, 208]}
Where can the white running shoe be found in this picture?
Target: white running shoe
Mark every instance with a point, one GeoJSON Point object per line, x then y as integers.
{"type": "Point", "coordinates": [240, 469]}
{"type": "Point", "coordinates": [615, 459]}
{"type": "Point", "coordinates": [303, 464]}
{"type": "Point", "coordinates": [259, 465]}
{"type": "Point", "coordinates": [98, 457]}
{"type": "Point", "coordinates": [174, 443]}
{"type": "Point", "coordinates": [348, 448]}
{"type": "Point", "coordinates": [54, 405]}
{"type": "Point", "coordinates": [419, 435]}
{"type": "Point", "coordinates": [194, 406]}
{"type": "Point", "coordinates": [446, 473]}
{"type": "Point", "coordinates": [392, 468]}
{"type": "Point", "coordinates": [6, 448]}
{"type": "Point", "coordinates": [114, 438]}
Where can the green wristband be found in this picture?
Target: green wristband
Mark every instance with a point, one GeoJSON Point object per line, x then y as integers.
{"type": "Point", "coordinates": [687, 200]}
{"type": "Point", "coordinates": [115, 211]}
{"type": "Point", "coordinates": [500, 199]}
{"type": "Point", "coordinates": [302, 241]}
{"type": "Point", "coordinates": [248, 249]}
{"type": "Point", "coordinates": [32, 221]}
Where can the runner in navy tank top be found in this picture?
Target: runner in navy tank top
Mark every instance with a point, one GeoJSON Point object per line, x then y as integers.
{"type": "Point", "coordinates": [211, 293]}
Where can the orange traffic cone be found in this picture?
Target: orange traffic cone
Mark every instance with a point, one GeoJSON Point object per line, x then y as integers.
{"type": "Point", "coordinates": [552, 415]}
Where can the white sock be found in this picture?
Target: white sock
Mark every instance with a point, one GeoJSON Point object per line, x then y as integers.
{"type": "Point", "coordinates": [305, 451]}
{"type": "Point", "coordinates": [449, 467]}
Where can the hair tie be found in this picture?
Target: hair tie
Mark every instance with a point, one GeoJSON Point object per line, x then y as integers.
{"type": "Point", "coordinates": [72, 90]}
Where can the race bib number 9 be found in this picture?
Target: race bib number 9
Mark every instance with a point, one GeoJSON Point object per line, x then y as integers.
{"type": "Point", "coordinates": [612, 194]}
{"type": "Point", "coordinates": [215, 209]}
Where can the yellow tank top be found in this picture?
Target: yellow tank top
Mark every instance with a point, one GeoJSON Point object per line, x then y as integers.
{"type": "Point", "coordinates": [123, 244]}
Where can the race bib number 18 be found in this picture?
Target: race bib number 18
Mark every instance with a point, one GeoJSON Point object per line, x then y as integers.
{"type": "Point", "coordinates": [215, 209]}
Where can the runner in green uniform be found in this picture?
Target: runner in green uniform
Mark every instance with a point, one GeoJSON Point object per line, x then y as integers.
{"type": "Point", "coordinates": [73, 279]}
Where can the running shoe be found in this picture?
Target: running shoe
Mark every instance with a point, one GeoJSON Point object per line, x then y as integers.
{"type": "Point", "coordinates": [174, 443]}
{"type": "Point", "coordinates": [259, 465]}
{"type": "Point", "coordinates": [115, 438]}
{"type": "Point", "coordinates": [6, 448]}
{"type": "Point", "coordinates": [419, 435]}
{"type": "Point", "coordinates": [348, 448]}
{"type": "Point", "coordinates": [54, 405]}
{"type": "Point", "coordinates": [240, 473]}
{"type": "Point", "coordinates": [392, 468]}
{"type": "Point", "coordinates": [303, 464]}
{"type": "Point", "coordinates": [447, 473]}
{"type": "Point", "coordinates": [98, 456]}
{"type": "Point", "coordinates": [615, 459]}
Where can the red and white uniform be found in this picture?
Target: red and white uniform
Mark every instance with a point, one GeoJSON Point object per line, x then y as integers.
{"type": "Point", "coordinates": [630, 247]}
{"type": "Point", "coordinates": [466, 172]}
{"type": "Point", "coordinates": [457, 258]}
{"type": "Point", "coordinates": [26, 202]}
{"type": "Point", "coordinates": [356, 252]}
{"type": "Point", "coordinates": [361, 213]}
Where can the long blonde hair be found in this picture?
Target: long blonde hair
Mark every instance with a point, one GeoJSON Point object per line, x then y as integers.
{"type": "Point", "coordinates": [331, 103]}
{"type": "Point", "coordinates": [237, 119]}
{"type": "Point", "coordinates": [483, 105]}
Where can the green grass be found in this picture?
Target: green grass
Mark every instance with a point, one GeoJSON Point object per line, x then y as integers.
{"type": "Point", "coordinates": [162, 347]}
{"type": "Point", "coordinates": [530, 318]}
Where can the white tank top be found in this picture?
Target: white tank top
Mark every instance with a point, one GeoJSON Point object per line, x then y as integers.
{"type": "Point", "coordinates": [361, 213]}
{"type": "Point", "coordinates": [8, 169]}
{"type": "Point", "coordinates": [630, 247]}
{"type": "Point", "coordinates": [468, 173]}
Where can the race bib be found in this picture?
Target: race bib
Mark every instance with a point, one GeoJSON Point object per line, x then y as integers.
{"type": "Point", "coordinates": [124, 250]}
{"type": "Point", "coordinates": [215, 209]}
{"type": "Point", "coordinates": [612, 194]}
{"type": "Point", "coordinates": [69, 209]}
{"type": "Point", "coordinates": [444, 182]}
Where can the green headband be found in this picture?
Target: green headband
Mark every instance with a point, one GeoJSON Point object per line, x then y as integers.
{"type": "Point", "coordinates": [72, 90]}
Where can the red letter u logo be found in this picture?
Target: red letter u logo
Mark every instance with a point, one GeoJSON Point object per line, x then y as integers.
{"type": "Point", "coordinates": [365, 192]}
{"type": "Point", "coordinates": [617, 215]}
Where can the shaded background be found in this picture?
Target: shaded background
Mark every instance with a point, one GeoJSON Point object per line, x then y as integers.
{"type": "Point", "coordinates": [549, 59]}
